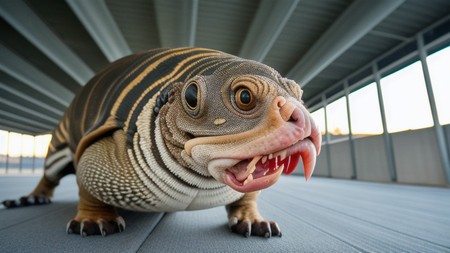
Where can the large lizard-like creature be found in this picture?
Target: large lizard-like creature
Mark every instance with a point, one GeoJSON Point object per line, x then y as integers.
{"type": "Point", "coordinates": [178, 129]}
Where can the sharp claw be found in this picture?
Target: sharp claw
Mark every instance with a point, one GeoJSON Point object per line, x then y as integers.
{"type": "Point", "coordinates": [88, 227]}
{"type": "Point", "coordinates": [120, 223]}
{"type": "Point", "coordinates": [265, 229]}
{"type": "Point", "coordinates": [82, 232]}
{"type": "Point", "coordinates": [68, 228]}
{"type": "Point", "coordinates": [249, 229]}
{"type": "Point", "coordinates": [102, 228]}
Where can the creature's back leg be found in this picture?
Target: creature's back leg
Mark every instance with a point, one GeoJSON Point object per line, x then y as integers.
{"type": "Point", "coordinates": [59, 162]}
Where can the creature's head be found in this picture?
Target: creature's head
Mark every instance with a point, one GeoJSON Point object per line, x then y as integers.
{"type": "Point", "coordinates": [243, 125]}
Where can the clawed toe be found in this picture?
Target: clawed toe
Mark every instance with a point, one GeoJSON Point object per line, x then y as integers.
{"type": "Point", "coordinates": [27, 201]}
{"type": "Point", "coordinates": [262, 228]}
{"type": "Point", "coordinates": [102, 227]}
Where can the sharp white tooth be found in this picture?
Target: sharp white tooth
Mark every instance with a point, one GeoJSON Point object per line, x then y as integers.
{"type": "Point", "coordinates": [264, 159]}
{"type": "Point", "coordinates": [249, 179]}
{"type": "Point", "coordinates": [283, 155]}
{"type": "Point", "coordinates": [271, 156]}
{"type": "Point", "coordinates": [252, 165]}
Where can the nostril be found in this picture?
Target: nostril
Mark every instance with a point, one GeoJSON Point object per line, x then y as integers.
{"type": "Point", "coordinates": [281, 102]}
{"type": "Point", "coordinates": [291, 119]}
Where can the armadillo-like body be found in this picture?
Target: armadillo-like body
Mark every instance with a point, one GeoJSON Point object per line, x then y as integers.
{"type": "Point", "coordinates": [179, 129]}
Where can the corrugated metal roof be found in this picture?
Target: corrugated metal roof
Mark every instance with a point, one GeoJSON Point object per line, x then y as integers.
{"type": "Point", "coordinates": [299, 36]}
{"type": "Point", "coordinates": [137, 22]}
{"type": "Point", "coordinates": [223, 25]}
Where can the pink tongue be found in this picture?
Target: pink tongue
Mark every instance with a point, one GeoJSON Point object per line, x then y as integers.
{"type": "Point", "coordinates": [240, 170]}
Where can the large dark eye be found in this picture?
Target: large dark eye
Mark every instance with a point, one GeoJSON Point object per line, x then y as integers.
{"type": "Point", "coordinates": [244, 99]}
{"type": "Point", "coordinates": [191, 96]}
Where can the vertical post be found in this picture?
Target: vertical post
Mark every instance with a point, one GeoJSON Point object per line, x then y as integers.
{"type": "Point", "coordinates": [327, 136]}
{"type": "Point", "coordinates": [350, 133]}
{"type": "Point", "coordinates": [7, 153]}
{"type": "Point", "coordinates": [20, 153]}
{"type": "Point", "coordinates": [34, 155]}
{"type": "Point", "coordinates": [387, 137]}
{"type": "Point", "coordinates": [440, 135]}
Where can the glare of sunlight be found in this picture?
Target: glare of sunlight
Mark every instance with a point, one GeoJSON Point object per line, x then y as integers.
{"type": "Point", "coordinates": [405, 99]}
{"type": "Point", "coordinates": [319, 118]}
{"type": "Point", "coordinates": [16, 145]}
{"type": "Point", "coordinates": [439, 67]}
{"type": "Point", "coordinates": [365, 111]}
{"type": "Point", "coordinates": [337, 117]}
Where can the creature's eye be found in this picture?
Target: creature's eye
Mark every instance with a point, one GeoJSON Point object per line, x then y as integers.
{"type": "Point", "coordinates": [191, 95]}
{"type": "Point", "coordinates": [244, 99]}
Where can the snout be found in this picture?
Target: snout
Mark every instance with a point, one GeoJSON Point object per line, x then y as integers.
{"type": "Point", "coordinates": [297, 118]}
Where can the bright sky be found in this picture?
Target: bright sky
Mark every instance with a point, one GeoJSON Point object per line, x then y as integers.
{"type": "Point", "coordinates": [26, 145]}
{"type": "Point", "coordinates": [405, 100]}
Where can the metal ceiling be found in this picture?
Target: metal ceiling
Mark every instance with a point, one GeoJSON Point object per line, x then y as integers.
{"type": "Point", "coordinates": [50, 48]}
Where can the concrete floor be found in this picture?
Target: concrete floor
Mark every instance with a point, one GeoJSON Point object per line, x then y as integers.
{"type": "Point", "coordinates": [323, 215]}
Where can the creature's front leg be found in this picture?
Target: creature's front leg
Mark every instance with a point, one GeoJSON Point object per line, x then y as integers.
{"type": "Point", "coordinates": [244, 218]}
{"type": "Point", "coordinates": [94, 170]}
{"type": "Point", "coordinates": [95, 217]}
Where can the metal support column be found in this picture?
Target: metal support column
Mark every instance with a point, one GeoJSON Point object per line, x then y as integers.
{"type": "Point", "coordinates": [7, 153]}
{"type": "Point", "coordinates": [350, 133]}
{"type": "Point", "coordinates": [20, 154]}
{"type": "Point", "coordinates": [327, 136]}
{"type": "Point", "coordinates": [440, 135]}
{"type": "Point", "coordinates": [33, 167]}
{"type": "Point", "coordinates": [387, 137]}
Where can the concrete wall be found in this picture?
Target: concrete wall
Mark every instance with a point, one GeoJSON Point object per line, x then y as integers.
{"type": "Point", "coordinates": [321, 163]}
{"type": "Point", "coordinates": [416, 154]}
{"type": "Point", "coordinates": [417, 157]}
{"type": "Point", "coordinates": [371, 161]}
{"type": "Point", "coordinates": [341, 163]}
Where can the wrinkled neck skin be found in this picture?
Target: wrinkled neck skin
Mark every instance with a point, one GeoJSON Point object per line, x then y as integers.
{"type": "Point", "coordinates": [174, 138]}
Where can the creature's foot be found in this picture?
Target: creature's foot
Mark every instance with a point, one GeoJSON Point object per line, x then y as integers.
{"type": "Point", "coordinates": [27, 201]}
{"type": "Point", "coordinates": [99, 226]}
{"type": "Point", "coordinates": [94, 217]}
{"type": "Point", "coordinates": [244, 218]}
{"type": "Point", "coordinates": [256, 227]}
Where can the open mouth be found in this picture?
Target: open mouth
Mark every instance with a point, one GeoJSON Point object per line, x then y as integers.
{"type": "Point", "coordinates": [264, 170]}
{"type": "Point", "coordinates": [255, 159]}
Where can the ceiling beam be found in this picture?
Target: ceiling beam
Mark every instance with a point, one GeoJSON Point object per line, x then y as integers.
{"type": "Point", "coordinates": [98, 21]}
{"type": "Point", "coordinates": [7, 125]}
{"type": "Point", "coordinates": [356, 21]}
{"type": "Point", "coordinates": [388, 35]}
{"type": "Point", "coordinates": [23, 120]}
{"type": "Point", "coordinates": [23, 71]}
{"type": "Point", "coordinates": [30, 111]}
{"type": "Point", "coordinates": [177, 22]}
{"type": "Point", "coordinates": [266, 26]}
{"type": "Point", "coordinates": [23, 19]}
{"type": "Point", "coordinates": [29, 98]}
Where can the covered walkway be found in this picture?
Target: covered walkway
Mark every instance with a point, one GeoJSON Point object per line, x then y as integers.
{"type": "Point", "coordinates": [323, 215]}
